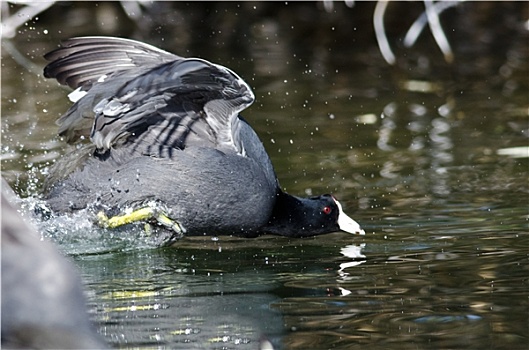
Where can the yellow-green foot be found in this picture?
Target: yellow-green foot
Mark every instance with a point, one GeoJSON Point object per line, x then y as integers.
{"type": "Point", "coordinates": [145, 214]}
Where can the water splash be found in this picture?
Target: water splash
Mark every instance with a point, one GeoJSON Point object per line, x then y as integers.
{"type": "Point", "coordinates": [78, 233]}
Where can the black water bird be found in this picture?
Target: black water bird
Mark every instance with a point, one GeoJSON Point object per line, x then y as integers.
{"type": "Point", "coordinates": [168, 145]}
{"type": "Point", "coordinates": [43, 303]}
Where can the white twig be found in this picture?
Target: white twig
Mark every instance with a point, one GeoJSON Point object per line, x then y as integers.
{"type": "Point", "coordinates": [417, 26]}
{"type": "Point", "coordinates": [437, 30]}
{"type": "Point", "coordinates": [380, 32]}
{"type": "Point", "coordinates": [11, 23]}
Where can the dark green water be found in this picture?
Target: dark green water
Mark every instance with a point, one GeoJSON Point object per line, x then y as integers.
{"type": "Point", "coordinates": [431, 159]}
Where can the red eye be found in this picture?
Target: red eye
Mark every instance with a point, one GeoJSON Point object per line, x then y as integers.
{"type": "Point", "coordinates": [326, 210]}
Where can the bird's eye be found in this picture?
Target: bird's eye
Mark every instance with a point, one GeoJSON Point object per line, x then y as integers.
{"type": "Point", "coordinates": [326, 210]}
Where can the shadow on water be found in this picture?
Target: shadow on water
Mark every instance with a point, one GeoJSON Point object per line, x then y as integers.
{"type": "Point", "coordinates": [430, 158]}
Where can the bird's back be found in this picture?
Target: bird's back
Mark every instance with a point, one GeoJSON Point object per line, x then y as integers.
{"type": "Point", "coordinates": [163, 128]}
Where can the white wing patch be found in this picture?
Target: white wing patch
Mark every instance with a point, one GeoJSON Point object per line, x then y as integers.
{"type": "Point", "coordinates": [77, 94]}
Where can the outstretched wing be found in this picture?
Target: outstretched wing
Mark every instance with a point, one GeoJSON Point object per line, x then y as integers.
{"type": "Point", "coordinates": [153, 99]}
{"type": "Point", "coordinates": [84, 60]}
{"type": "Point", "coordinates": [176, 105]}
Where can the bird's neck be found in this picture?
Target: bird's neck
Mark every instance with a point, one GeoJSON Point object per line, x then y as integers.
{"type": "Point", "coordinates": [288, 210]}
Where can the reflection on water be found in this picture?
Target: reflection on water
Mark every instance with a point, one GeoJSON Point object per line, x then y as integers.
{"type": "Point", "coordinates": [173, 301]}
{"type": "Point", "coordinates": [431, 159]}
{"type": "Point", "coordinates": [354, 252]}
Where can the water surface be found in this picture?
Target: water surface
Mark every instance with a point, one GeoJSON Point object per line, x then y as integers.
{"type": "Point", "coordinates": [430, 158]}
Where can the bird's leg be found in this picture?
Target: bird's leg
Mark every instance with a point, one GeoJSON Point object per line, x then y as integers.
{"type": "Point", "coordinates": [150, 212]}
{"type": "Point", "coordinates": [120, 220]}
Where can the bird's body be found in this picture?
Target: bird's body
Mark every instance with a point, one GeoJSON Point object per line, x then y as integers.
{"type": "Point", "coordinates": [167, 130]}
{"type": "Point", "coordinates": [143, 179]}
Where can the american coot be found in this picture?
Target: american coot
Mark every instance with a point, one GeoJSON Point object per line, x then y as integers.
{"type": "Point", "coordinates": [43, 303]}
{"type": "Point", "coordinates": [169, 146]}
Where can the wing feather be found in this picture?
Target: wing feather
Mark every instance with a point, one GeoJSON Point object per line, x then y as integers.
{"type": "Point", "coordinates": [149, 99]}
{"type": "Point", "coordinates": [100, 55]}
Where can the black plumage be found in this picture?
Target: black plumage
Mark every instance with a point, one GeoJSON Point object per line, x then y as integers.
{"type": "Point", "coordinates": [167, 129]}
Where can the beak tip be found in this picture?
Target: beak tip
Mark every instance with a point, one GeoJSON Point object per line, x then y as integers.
{"type": "Point", "coordinates": [346, 223]}
{"type": "Point", "coordinates": [350, 226]}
